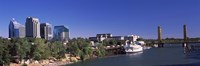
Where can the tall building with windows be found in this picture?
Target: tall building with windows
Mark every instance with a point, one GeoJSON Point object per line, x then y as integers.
{"type": "Point", "coordinates": [46, 31]}
{"type": "Point", "coordinates": [32, 27]}
{"type": "Point", "coordinates": [61, 33]}
{"type": "Point", "coordinates": [16, 30]}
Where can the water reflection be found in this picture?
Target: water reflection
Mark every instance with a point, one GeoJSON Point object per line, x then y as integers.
{"type": "Point", "coordinates": [192, 52]}
{"type": "Point", "coordinates": [134, 54]}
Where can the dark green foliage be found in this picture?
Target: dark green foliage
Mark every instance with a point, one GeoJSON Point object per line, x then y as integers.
{"type": "Point", "coordinates": [57, 49]}
{"type": "Point", "coordinates": [110, 42]}
{"type": "Point", "coordinates": [106, 42]}
{"type": "Point", "coordinates": [113, 42]}
{"type": "Point", "coordinates": [22, 48]}
{"type": "Point", "coordinates": [80, 47]}
{"type": "Point", "coordinates": [101, 51]}
{"type": "Point", "coordinates": [4, 52]}
{"type": "Point", "coordinates": [29, 48]}
{"type": "Point", "coordinates": [40, 50]}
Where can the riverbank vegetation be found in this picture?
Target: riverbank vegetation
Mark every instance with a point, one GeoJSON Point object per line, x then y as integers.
{"type": "Point", "coordinates": [20, 50]}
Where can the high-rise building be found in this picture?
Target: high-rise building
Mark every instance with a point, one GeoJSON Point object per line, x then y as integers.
{"type": "Point", "coordinates": [32, 27]}
{"type": "Point", "coordinates": [46, 31]}
{"type": "Point", "coordinates": [16, 30]}
{"type": "Point", "coordinates": [61, 33]}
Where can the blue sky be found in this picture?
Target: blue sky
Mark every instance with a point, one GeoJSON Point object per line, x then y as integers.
{"type": "Point", "coordinates": [120, 17]}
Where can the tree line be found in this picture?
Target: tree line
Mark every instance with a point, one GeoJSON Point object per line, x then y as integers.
{"type": "Point", "coordinates": [18, 49]}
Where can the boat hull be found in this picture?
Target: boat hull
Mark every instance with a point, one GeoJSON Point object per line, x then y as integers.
{"type": "Point", "coordinates": [134, 50]}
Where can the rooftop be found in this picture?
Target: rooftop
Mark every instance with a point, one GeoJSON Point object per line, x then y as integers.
{"type": "Point", "coordinates": [16, 24]}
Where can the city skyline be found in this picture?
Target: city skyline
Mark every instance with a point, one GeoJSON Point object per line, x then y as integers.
{"type": "Point", "coordinates": [89, 17]}
{"type": "Point", "coordinates": [34, 29]}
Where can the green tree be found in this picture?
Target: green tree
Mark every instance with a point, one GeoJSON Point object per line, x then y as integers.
{"type": "Point", "coordinates": [101, 50]}
{"type": "Point", "coordinates": [57, 49]}
{"type": "Point", "coordinates": [22, 48]}
{"type": "Point", "coordinates": [106, 42]}
{"type": "Point", "coordinates": [80, 47]}
{"type": "Point", "coordinates": [4, 52]}
{"type": "Point", "coordinates": [40, 50]}
{"type": "Point", "coordinates": [113, 42]}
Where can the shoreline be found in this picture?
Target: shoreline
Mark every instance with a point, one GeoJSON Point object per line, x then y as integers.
{"type": "Point", "coordinates": [62, 63]}
{"type": "Point", "coordinates": [66, 62]}
{"type": "Point", "coordinates": [59, 63]}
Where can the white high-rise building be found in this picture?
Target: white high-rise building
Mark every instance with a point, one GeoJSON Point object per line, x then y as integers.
{"type": "Point", "coordinates": [32, 27]}
{"type": "Point", "coordinates": [46, 31]}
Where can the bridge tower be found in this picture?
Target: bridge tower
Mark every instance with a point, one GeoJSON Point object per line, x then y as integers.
{"type": "Point", "coordinates": [160, 42]}
{"type": "Point", "coordinates": [185, 43]}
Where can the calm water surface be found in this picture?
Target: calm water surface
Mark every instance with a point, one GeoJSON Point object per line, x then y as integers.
{"type": "Point", "coordinates": [170, 55]}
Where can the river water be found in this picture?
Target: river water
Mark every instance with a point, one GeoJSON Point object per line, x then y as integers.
{"type": "Point", "coordinates": [170, 55]}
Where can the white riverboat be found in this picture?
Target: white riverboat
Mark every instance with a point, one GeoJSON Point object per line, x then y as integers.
{"type": "Point", "coordinates": [133, 48]}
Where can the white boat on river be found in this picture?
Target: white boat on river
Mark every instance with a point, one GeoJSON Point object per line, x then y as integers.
{"type": "Point", "coordinates": [133, 48]}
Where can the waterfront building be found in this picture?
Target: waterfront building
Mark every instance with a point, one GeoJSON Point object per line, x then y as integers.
{"type": "Point", "coordinates": [16, 30]}
{"type": "Point", "coordinates": [107, 35]}
{"type": "Point", "coordinates": [46, 31]}
{"type": "Point", "coordinates": [117, 37]}
{"type": "Point", "coordinates": [61, 33]}
{"type": "Point", "coordinates": [32, 27]}
{"type": "Point", "coordinates": [93, 39]}
{"type": "Point", "coordinates": [132, 38]}
{"type": "Point", "coordinates": [101, 37]}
